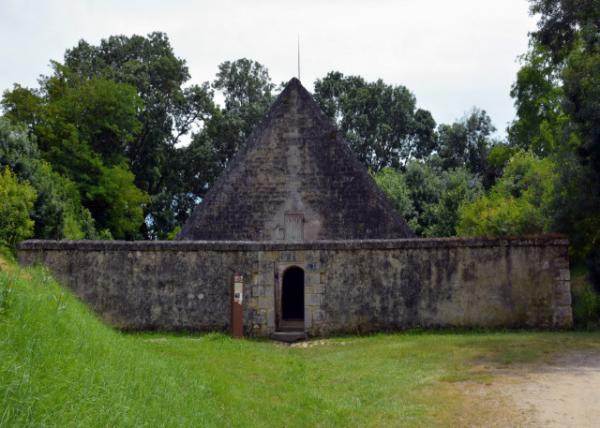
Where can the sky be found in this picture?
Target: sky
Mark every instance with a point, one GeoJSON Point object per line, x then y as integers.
{"type": "Point", "coordinates": [453, 55]}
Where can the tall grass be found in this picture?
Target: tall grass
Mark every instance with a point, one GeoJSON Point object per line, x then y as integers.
{"type": "Point", "coordinates": [60, 366]}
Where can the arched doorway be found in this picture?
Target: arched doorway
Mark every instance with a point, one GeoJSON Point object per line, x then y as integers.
{"type": "Point", "coordinates": [292, 296]}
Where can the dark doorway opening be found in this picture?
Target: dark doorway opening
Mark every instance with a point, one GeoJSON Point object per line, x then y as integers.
{"type": "Point", "coordinates": [292, 294]}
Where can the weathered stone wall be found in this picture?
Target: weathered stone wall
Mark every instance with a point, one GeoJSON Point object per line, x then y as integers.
{"type": "Point", "coordinates": [350, 286]}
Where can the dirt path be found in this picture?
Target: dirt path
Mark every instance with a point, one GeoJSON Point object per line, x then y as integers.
{"type": "Point", "coordinates": [563, 393]}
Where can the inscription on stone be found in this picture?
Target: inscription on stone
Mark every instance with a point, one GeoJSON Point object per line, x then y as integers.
{"type": "Point", "coordinates": [287, 256]}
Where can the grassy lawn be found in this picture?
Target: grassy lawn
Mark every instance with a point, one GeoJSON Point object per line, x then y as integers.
{"type": "Point", "coordinates": [60, 366]}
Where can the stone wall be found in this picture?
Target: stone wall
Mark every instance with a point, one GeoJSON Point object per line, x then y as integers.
{"type": "Point", "coordinates": [350, 286]}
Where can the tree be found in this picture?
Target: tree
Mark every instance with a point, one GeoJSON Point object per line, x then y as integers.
{"type": "Point", "coordinates": [425, 187]}
{"type": "Point", "coordinates": [82, 128]}
{"type": "Point", "coordinates": [380, 122]}
{"type": "Point", "coordinates": [428, 199]}
{"type": "Point", "coordinates": [570, 31]}
{"type": "Point", "coordinates": [16, 201]}
{"type": "Point", "coordinates": [460, 187]}
{"type": "Point", "coordinates": [57, 212]}
{"type": "Point", "coordinates": [562, 23]}
{"type": "Point", "coordinates": [117, 202]}
{"type": "Point", "coordinates": [569, 34]}
{"type": "Point", "coordinates": [394, 185]}
{"type": "Point", "coordinates": [467, 143]}
{"type": "Point", "coordinates": [167, 113]}
{"type": "Point", "coordinates": [248, 92]}
{"type": "Point", "coordinates": [541, 125]}
{"type": "Point", "coordinates": [517, 204]}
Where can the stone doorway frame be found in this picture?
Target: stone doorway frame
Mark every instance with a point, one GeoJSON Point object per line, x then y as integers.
{"type": "Point", "coordinates": [288, 325]}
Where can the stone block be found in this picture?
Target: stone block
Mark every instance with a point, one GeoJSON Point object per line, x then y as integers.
{"type": "Point", "coordinates": [562, 297]}
{"type": "Point", "coordinates": [564, 275]}
{"type": "Point", "coordinates": [269, 291]}
{"type": "Point", "coordinates": [318, 315]}
{"type": "Point", "coordinates": [312, 256]}
{"type": "Point", "coordinates": [315, 299]}
{"type": "Point", "coordinates": [271, 319]}
{"type": "Point", "coordinates": [307, 317]}
{"type": "Point", "coordinates": [563, 317]}
{"type": "Point", "coordinates": [267, 278]}
{"type": "Point", "coordinates": [311, 266]}
{"type": "Point", "coordinates": [265, 302]}
{"type": "Point", "coordinates": [561, 262]}
{"type": "Point", "coordinates": [313, 278]}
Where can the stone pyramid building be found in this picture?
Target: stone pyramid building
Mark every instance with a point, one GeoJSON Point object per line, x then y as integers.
{"type": "Point", "coordinates": [295, 180]}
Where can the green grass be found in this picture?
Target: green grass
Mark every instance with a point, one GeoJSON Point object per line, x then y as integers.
{"type": "Point", "coordinates": [60, 366]}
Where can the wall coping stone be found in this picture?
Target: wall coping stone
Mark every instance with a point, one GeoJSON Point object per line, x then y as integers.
{"type": "Point", "coordinates": [369, 244]}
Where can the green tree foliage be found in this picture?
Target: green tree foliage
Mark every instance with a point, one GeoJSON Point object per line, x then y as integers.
{"type": "Point", "coordinates": [562, 23]}
{"type": "Point", "coordinates": [380, 122]}
{"type": "Point", "coordinates": [425, 186]}
{"type": "Point", "coordinates": [429, 200]}
{"type": "Point", "coordinates": [118, 202]}
{"type": "Point", "coordinates": [459, 187]}
{"type": "Point", "coordinates": [570, 31]}
{"type": "Point", "coordinates": [150, 66]}
{"type": "Point", "coordinates": [57, 211]}
{"type": "Point", "coordinates": [393, 183]}
{"type": "Point", "coordinates": [247, 88]}
{"type": "Point", "coordinates": [575, 209]}
{"type": "Point", "coordinates": [517, 204]}
{"type": "Point", "coordinates": [167, 113]}
{"type": "Point", "coordinates": [467, 143]}
{"type": "Point", "coordinates": [248, 93]}
{"type": "Point", "coordinates": [16, 202]}
{"type": "Point", "coordinates": [82, 128]}
{"type": "Point", "coordinates": [541, 122]}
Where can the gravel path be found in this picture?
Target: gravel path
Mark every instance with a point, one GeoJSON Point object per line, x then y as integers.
{"type": "Point", "coordinates": [565, 393]}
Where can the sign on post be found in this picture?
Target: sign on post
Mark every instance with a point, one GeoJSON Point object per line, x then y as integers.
{"type": "Point", "coordinates": [237, 322]}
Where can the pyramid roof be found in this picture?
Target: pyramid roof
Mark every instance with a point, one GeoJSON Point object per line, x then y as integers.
{"type": "Point", "coordinates": [295, 179]}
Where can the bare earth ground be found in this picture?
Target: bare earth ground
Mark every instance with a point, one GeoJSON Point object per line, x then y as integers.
{"type": "Point", "coordinates": [564, 392]}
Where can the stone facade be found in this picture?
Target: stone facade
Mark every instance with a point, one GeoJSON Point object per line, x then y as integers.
{"type": "Point", "coordinates": [349, 286]}
{"type": "Point", "coordinates": [295, 180]}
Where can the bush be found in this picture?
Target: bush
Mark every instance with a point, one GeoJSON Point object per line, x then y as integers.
{"type": "Point", "coordinates": [57, 212]}
{"type": "Point", "coordinates": [593, 263]}
{"type": "Point", "coordinates": [394, 185]}
{"type": "Point", "coordinates": [16, 203]}
{"type": "Point", "coordinates": [427, 199]}
{"type": "Point", "coordinates": [517, 204]}
{"type": "Point", "coordinates": [586, 302]}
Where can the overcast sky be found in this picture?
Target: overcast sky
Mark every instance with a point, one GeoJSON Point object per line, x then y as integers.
{"type": "Point", "coordinates": [452, 55]}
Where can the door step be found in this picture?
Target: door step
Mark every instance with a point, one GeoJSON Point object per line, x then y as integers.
{"type": "Point", "coordinates": [288, 336]}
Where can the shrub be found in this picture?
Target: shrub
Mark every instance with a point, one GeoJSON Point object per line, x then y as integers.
{"type": "Point", "coordinates": [16, 203]}
{"type": "Point", "coordinates": [57, 212]}
{"type": "Point", "coordinates": [517, 204]}
{"type": "Point", "coordinates": [586, 307]}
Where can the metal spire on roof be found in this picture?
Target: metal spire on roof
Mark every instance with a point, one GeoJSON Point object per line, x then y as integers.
{"type": "Point", "coordinates": [298, 56]}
